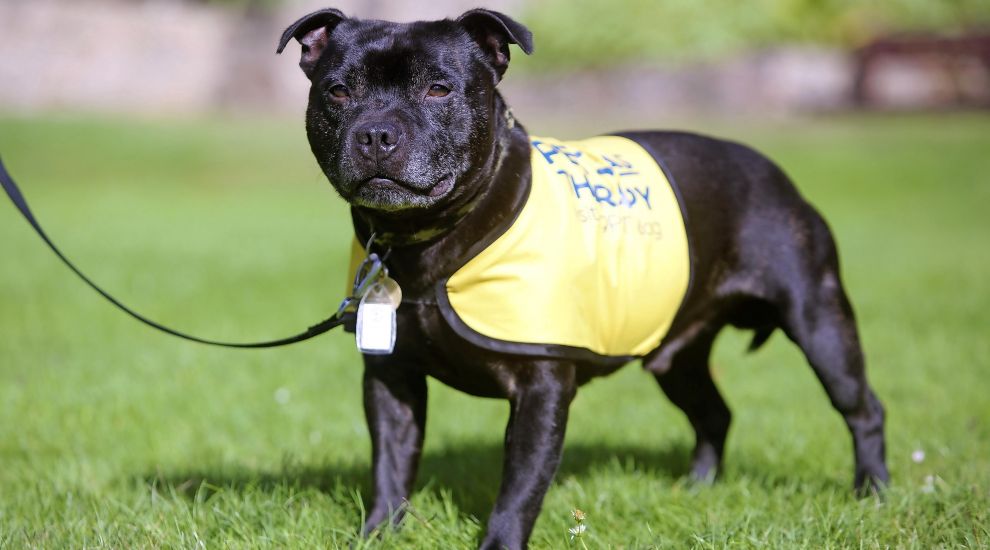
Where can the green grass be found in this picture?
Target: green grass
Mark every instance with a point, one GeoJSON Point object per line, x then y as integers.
{"type": "Point", "coordinates": [112, 435]}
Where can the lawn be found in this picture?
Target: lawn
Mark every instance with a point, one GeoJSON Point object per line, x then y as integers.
{"type": "Point", "coordinates": [113, 435]}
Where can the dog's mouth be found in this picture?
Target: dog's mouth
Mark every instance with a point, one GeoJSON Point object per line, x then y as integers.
{"type": "Point", "coordinates": [387, 193]}
{"type": "Point", "coordinates": [441, 187]}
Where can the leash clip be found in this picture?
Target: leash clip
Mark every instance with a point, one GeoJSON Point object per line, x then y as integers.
{"type": "Point", "coordinates": [371, 272]}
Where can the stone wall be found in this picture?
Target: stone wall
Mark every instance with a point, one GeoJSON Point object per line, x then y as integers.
{"type": "Point", "coordinates": [158, 56]}
{"type": "Point", "coordinates": [110, 56]}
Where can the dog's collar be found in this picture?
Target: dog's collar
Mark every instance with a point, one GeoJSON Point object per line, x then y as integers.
{"type": "Point", "coordinates": [401, 239]}
{"type": "Point", "coordinates": [390, 239]}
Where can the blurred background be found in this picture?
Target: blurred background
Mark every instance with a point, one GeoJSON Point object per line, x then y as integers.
{"type": "Point", "coordinates": [161, 144]}
{"type": "Point", "coordinates": [770, 57]}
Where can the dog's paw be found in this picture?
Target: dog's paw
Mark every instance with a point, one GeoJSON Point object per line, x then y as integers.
{"type": "Point", "coordinates": [703, 476]}
{"type": "Point", "coordinates": [871, 484]}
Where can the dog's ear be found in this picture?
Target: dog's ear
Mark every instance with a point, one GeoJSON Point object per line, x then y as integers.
{"type": "Point", "coordinates": [313, 32]}
{"type": "Point", "coordinates": [494, 32]}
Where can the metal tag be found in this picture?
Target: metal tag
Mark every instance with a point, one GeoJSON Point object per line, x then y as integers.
{"type": "Point", "coordinates": [392, 288]}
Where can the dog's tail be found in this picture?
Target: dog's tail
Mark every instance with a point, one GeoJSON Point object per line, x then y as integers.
{"type": "Point", "coordinates": [760, 337]}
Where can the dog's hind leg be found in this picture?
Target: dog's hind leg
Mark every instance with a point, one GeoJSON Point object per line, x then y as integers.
{"type": "Point", "coordinates": [689, 385]}
{"type": "Point", "coordinates": [819, 319]}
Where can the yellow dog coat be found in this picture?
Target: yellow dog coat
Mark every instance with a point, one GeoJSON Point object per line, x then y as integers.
{"type": "Point", "coordinates": [595, 264]}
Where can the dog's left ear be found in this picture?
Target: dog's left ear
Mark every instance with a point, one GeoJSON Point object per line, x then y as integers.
{"type": "Point", "coordinates": [313, 32]}
{"type": "Point", "coordinates": [494, 31]}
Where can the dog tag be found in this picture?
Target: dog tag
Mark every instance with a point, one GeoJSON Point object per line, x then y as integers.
{"type": "Point", "coordinates": [393, 290]}
{"type": "Point", "coordinates": [375, 327]}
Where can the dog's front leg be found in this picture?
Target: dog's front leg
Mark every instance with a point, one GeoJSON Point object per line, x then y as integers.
{"type": "Point", "coordinates": [540, 399]}
{"type": "Point", "coordinates": [395, 408]}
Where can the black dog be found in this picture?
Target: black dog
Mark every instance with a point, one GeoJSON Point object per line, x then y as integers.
{"type": "Point", "coordinates": [406, 122]}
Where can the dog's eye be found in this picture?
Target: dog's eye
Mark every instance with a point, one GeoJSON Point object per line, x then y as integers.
{"type": "Point", "coordinates": [438, 90]}
{"type": "Point", "coordinates": [339, 91]}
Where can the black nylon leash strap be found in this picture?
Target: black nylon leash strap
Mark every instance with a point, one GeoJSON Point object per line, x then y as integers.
{"type": "Point", "coordinates": [17, 197]}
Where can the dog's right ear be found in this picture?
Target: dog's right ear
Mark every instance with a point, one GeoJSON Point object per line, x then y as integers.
{"type": "Point", "coordinates": [313, 32]}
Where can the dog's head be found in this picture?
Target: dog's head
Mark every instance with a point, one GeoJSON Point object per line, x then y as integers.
{"type": "Point", "coordinates": [401, 115]}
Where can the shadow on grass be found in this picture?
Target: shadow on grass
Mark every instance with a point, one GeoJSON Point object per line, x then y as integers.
{"type": "Point", "coordinates": [470, 473]}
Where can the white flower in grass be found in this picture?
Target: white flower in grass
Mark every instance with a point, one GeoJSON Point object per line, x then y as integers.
{"type": "Point", "coordinates": [918, 456]}
{"type": "Point", "coordinates": [579, 528]}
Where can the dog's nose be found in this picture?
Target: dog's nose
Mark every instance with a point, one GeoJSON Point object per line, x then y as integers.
{"type": "Point", "coordinates": [377, 140]}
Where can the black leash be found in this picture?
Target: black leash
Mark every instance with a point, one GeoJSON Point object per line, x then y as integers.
{"type": "Point", "coordinates": [344, 314]}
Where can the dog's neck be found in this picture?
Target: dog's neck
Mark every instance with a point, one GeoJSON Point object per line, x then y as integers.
{"type": "Point", "coordinates": [423, 252]}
